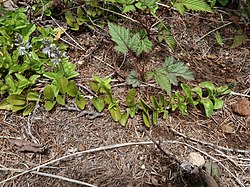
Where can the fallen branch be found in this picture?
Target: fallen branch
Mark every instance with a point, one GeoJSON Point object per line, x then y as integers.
{"type": "Point", "coordinates": [49, 175]}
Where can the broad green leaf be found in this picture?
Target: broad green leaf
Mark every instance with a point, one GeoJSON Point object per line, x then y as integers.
{"type": "Point", "coordinates": [29, 108]}
{"type": "Point", "coordinates": [27, 31]}
{"type": "Point", "coordinates": [60, 99]}
{"type": "Point", "coordinates": [144, 106]}
{"type": "Point", "coordinates": [62, 84]}
{"type": "Point", "coordinates": [93, 86]}
{"type": "Point", "coordinates": [48, 93]}
{"type": "Point", "coordinates": [223, 90]}
{"type": "Point", "coordinates": [124, 118]}
{"type": "Point", "coordinates": [115, 113]}
{"type": "Point", "coordinates": [32, 95]}
{"type": "Point", "coordinates": [208, 106]}
{"type": "Point", "coordinates": [71, 20]}
{"type": "Point", "coordinates": [188, 93]}
{"type": "Point", "coordinates": [49, 105]}
{"type": "Point", "coordinates": [130, 97]}
{"type": "Point", "coordinates": [198, 91]}
{"type": "Point", "coordinates": [98, 103]}
{"type": "Point", "coordinates": [33, 78]}
{"type": "Point", "coordinates": [145, 45]}
{"type": "Point", "coordinates": [133, 110]}
{"type": "Point", "coordinates": [5, 105]}
{"type": "Point", "coordinates": [16, 108]}
{"type": "Point", "coordinates": [72, 89]}
{"type": "Point", "coordinates": [218, 103]}
{"type": "Point", "coordinates": [80, 102]}
{"type": "Point", "coordinates": [180, 98]}
{"type": "Point", "coordinates": [128, 8]}
{"type": "Point", "coordinates": [164, 33]}
{"type": "Point", "coordinates": [15, 99]}
{"type": "Point", "coordinates": [223, 2]}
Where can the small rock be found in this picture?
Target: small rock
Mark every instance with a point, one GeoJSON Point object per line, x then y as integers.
{"type": "Point", "coordinates": [196, 159]}
{"type": "Point", "coordinates": [242, 107]}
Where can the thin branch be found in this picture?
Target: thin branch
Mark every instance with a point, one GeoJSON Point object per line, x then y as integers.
{"type": "Point", "coordinates": [239, 94]}
{"type": "Point", "coordinates": [49, 175]}
{"type": "Point", "coordinates": [199, 39]}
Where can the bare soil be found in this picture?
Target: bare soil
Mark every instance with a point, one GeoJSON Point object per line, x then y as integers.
{"type": "Point", "coordinates": [63, 132]}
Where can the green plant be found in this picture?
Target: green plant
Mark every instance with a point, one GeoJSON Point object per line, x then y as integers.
{"type": "Point", "coordinates": [29, 53]}
{"type": "Point", "coordinates": [135, 45]}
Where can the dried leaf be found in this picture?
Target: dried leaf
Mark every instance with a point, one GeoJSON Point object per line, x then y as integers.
{"type": "Point", "coordinates": [196, 159]}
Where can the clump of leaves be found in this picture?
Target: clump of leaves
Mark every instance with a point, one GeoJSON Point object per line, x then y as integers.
{"type": "Point", "coordinates": [29, 53]}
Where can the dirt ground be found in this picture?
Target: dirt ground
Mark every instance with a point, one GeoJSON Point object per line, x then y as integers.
{"type": "Point", "coordinates": [116, 163]}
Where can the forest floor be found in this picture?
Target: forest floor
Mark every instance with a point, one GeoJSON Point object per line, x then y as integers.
{"type": "Point", "coordinates": [116, 163]}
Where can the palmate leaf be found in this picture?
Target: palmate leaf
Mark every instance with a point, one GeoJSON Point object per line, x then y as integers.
{"type": "Point", "coordinates": [176, 69]}
{"type": "Point", "coordinates": [197, 5]}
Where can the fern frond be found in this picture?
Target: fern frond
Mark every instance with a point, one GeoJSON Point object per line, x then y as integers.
{"type": "Point", "coordinates": [196, 5]}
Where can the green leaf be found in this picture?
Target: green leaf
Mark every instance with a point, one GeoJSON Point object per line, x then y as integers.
{"type": "Point", "coordinates": [27, 31]}
{"type": "Point", "coordinates": [144, 106]}
{"type": "Point", "coordinates": [128, 8]}
{"type": "Point", "coordinates": [145, 45]}
{"type": "Point", "coordinates": [98, 103]}
{"type": "Point", "coordinates": [198, 91]}
{"type": "Point", "coordinates": [5, 105]}
{"type": "Point", "coordinates": [223, 90]}
{"type": "Point", "coordinates": [162, 79]}
{"type": "Point", "coordinates": [130, 97]}
{"type": "Point", "coordinates": [196, 5]}
{"type": "Point", "coordinates": [223, 2]}
{"type": "Point", "coordinates": [155, 117]}
{"type": "Point", "coordinates": [176, 69]}
{"type": "Point", "coordinates": [48, 93]}
{"type": "Point", "coordinates": [209, 86]}
{"type": "Point", "coordinates": [188, 93]}
{"type": "Point", "coordinates": [32, 95]}
{"type": "Point", "coordinates": [60, 99]}
{"type": "Point", "coordinates": [208, 106]}
{"type": "Point", "coordinates": [115, 113]}
{"type": "Point", "coordinates": [120, 36]}
{"type": "Point", "coordinates": [33, 78]}
{"type": "Point", "coordinates": [218, 38]}
{"type": "Point", "coordinates": [164, 33]}
{"type": "Point", "coordinates": [29, 108]}
{"type": "Point", "coordinates": [72, 89]}
{"type": "Point", "coordinates": [49, 105]}
{"type": "Point", "coordinates": [183, 108]}
{"type": "Point", "coordinates": [218, 103]}
{"type": "Point", "coordinates": [15, 99]}
{"type": "Point", "coordinates": [71, 20]}
{"type": "Point", "coordinates": [132, 79]}
{"type": "Point", "coordinates": [16, 108]}
{"type": "Point", "coordinates": [239, 39]}
{"type": "Point", "coordinates": [154, 102]}
{"type": "Point", "coordinates": [124, 118]}
{"type": "Point", "coordinates": [133, 110]}
{"type": "Point", "coordinates": [146, 119]}
{"type": "Point", "coordinates": [80, 102]}
{"type": "Point", "coordinates": [62, 84]}
{"type": "Point", "coordinates": [93, 86]}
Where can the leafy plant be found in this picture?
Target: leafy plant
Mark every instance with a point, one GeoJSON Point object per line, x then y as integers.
{"type": "Point", "coordinates": [29, 53]}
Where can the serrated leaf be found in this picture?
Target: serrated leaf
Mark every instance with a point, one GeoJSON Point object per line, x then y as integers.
{"type": "Point", "coordinates": [98, 103]}
{"type": "Point", "coordinates": [176, 69]}
{"type": "Point", "coordinates": [80, 102]}
{"type": "Point", "coordinates": [145, 45]}
{"type": "Point", "coordinates": [196, 5]}
{"type": "Point", "coordinates": [120, 36]}
{"type": "Point", "coordinates": [239, 39]}
{"type": "Point", "coordinates": [165, 34]}
{"type": "Point", "coordinates": [162, 80]}
{"type": "Point", "coordinates": [132, 79]}
{"type": "Point", "coordinates": [128, 8]}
